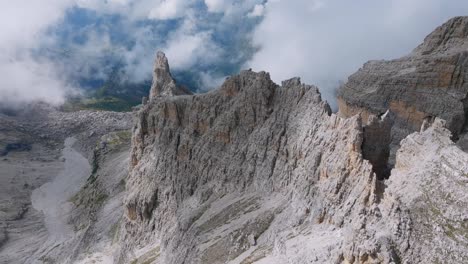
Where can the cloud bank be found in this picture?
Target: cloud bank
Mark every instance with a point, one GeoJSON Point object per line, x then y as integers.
{"type": "Point", "coordinates": [24, 77]}
{"type": "Point", "coordinates": [324, 41]}
{"type": "Point", "coordinates": [51, 48]}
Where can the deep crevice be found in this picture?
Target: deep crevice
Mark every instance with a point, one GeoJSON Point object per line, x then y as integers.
{"type": "Point", "coordinates": [461, 138]}
{"type": "Point", "coordinates": [376, 144]}
{"type": "Point", "coordinates": [465, 109]}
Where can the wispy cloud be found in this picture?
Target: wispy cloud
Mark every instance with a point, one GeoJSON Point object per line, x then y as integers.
{"type": "Point", "coordinates": [22, 27]}
{"type": "Point", "coordinates": [197, 39]}
{"type": "Point", "coordinates": [324, 41]}
{"type": "Point", "coordinates": [48, 47]}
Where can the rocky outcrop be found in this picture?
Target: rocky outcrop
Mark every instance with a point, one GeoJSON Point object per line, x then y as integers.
{"type": "Point", "coordinates": [429, 82]}
{"type": "Point", "coordinates": [252, 172]}
{"type": "Point", "coordinates": [259, 173]}
{"type": "Point", "coordinates": [428, 188]}
{"type": "Point", "coordinates": [236, 174]}
{"type": "Point", "coordinates": [163, 83]}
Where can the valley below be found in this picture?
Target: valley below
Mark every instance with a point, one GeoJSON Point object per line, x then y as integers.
{"type": "Point", "coordinates": [251, 172]}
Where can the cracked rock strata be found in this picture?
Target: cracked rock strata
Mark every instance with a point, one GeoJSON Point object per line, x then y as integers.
{"type": "Point", "coordinates": [430, 82]}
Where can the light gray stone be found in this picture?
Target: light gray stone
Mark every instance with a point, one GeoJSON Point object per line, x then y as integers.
{"type": "Point", "coordinates": [430, 82]}
{"type": "Point", "coordinates": [163, 83]}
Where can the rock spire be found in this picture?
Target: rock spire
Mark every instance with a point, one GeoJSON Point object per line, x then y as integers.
{"type": "Point", "coordinates": [163, 82]}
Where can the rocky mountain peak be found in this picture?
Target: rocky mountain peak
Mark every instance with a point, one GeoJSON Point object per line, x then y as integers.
{"type": "Point", "coordinates": [255, 172]}
{"type": "Point", "coordinates": [252, 172]}
{"type": "Point", "coordinates": [163, 82]}
{"type": "Point", "coordinates": [430, 82]}
{"type": "Point", "coordinates": [161, 62]}
{"type": "Point", "coordinates": [451, 37]}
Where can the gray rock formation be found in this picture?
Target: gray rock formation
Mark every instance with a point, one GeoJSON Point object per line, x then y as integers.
{"type": "Point", "coordinates": [259, 173]}
{"type": "Point", "coordinates": [429, 82]}
{"type": "Point", "coordinates": [163, 83]}
{"type": "Point", "coordinates": [428, 188]}
{"type": "Point", "coordinates": [32, 235]}
{"type": "Point", "coordinates": [250, 159]}
{"type": "Point", "coordinates": [252, 172]}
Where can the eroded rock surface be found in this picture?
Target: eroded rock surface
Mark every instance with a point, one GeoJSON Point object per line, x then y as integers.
{"type": "Point", "coordinates": [50, 231]}
{"type": "Point", "coordinates": [430, 82]}
{"type": "Point", "coordinates": [429, 185]}
{"type": "Point", "coordinates": [234, 174]}
{"type": "Point", "coordinates": [259, 173]}
{"type": "Point", "coordinates": [254, 172]}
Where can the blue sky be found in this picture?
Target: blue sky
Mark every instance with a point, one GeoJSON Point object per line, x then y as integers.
{"type": "Point", "coordinates": [51, 48]}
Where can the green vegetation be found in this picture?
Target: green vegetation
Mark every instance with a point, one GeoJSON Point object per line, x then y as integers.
{"type": "Point", "coordinates": [125, 135]}
{"type": "Point", "coordinates": [119, 138]}
{"type": "Point", "coordinates": [114, 95]}
{"type": "Point", "coordinates": [105, 104]}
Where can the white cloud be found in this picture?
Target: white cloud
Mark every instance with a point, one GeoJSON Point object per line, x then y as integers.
{"type": "Point", "coordinates": [209, 81]}
{"type": "Point", "coordinates": [27, 80]}
{"type": "Point", "coordinates": [139, 9]}
{"type": "Point", "coordinates": [22, 26]}
{"type": "Point", "coordinates": [189, 46]}
{"type": "Point", "coordinates": [134, 9]}
{"type": "Point", "coordinates": [169, 9]}
{"type": "Point", "coordinates": [139, 60]}
{"type": "Point", "coordinates": [258, 11]}
{"type": "Point", "coordinates": [23, 29]}
{"type": "Point", "coordinates": [109, 6]}
{"type": "Point", "coordinates": [325, 41]}
{"type": "Point", "coordinates": [218, 5]}
{"type": "Point", "coordinates": [322, 41]}
{"type": "Point", "coordinates": [85, 59]}
{"type": "Point", "coordinates": [237, 8]}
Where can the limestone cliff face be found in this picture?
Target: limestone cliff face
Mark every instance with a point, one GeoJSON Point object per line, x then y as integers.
{"type": "Point", "coordinates": [254, 172]}
{"type": "Point", "coordinates": [234, 174]}
{"type": "Point", "coordinates": [430, 82]}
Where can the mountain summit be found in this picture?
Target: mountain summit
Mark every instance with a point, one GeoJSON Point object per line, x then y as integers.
{"type": "Point", "coordinates": [252, 172]}
{"type": "Point", "coordinates": [255, 172]}
{"type": "Point", "coordinates": [163, 83]}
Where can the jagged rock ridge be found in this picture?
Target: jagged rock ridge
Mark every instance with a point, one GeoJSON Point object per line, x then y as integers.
{"type": "Point", "coordinates": [259, 173]}
{"type": "Point", "coordinates": [251, 141]}
{"type": "Point", "coordinates": [252, 172]}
